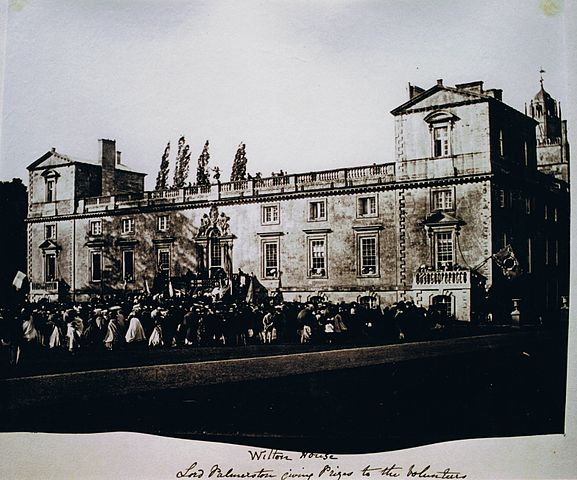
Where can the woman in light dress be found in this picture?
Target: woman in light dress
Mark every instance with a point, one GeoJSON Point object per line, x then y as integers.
{"type": "Point", "coordinates": [155, 339]}
{"type": "Point", "coordinates": [135, 333]}
{"type": "Point", "coordinates": [113, 338]}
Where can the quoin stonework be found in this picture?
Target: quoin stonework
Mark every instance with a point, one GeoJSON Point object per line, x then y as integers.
{"type": "Point", "coordinates": [470, 177]}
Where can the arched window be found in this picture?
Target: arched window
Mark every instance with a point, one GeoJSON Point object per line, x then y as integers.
{"type": "Point", "coordinates": [215, 252]}
{"type": "Point", "coordinates": [50, 179]}
{"type": "Point", "coordinates": [441, 126]}
{"type": "Point", "coordinates": [539, 110]}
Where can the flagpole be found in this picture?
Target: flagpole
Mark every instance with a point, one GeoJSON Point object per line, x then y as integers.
{"type": "Point", "coordinates": [474, 269]}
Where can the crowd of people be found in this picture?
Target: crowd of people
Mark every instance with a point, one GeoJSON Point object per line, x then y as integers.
{"type": "Point", "coordinates": [202, 320]}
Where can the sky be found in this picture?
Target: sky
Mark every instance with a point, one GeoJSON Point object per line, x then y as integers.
{"type": "Point", "coordinates": [306, 85]}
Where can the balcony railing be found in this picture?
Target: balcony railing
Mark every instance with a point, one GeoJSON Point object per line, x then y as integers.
{"type": "Point", "coordinates": [441, 167]}
{"type": "Point", "coordinates": [425, 278]}
{"type": "Point", "coordinates": [344, 177]}
{"type": "Point", "coordinates": [47, 287]}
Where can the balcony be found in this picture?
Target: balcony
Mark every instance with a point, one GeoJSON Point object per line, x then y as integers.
{"type": "Point", "coordinates": [47, 287]}
{"type": "Point", "coordinates": [443, 167]}
{"type": "Point", "coordinates": [436, 279]}
{"type": "Point", "coordinates": [44, 289]}
{"type": "Point", "coordinates": [375, 174]}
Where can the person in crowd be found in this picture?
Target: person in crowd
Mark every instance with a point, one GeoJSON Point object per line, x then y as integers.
{"type": "Point", "coordinates": [95, 332]}
{"type": "Point", "coordinates": [329, 330]}
{"type": "Point", "coordinates": [29, 330]}
{"type": "Point", "coordinates": [155, 340]}
{"type": "Point", "coordinates": [120, 318]}
{"type": "Point", "coordinates": [268, 328]}
{"type": "Point", "coordinates": [187, 330]}
{"type": "Point", "coordinates": [113, 338]}
{"type": "Point", "coordinates": [340, 328]}
{"type": "Point", "coordinates": [306, 333]}
{"type": "Point", "coordinates": [135, 333]}
{"type": "Point", "coordinates": [54, 326]}
{"type": "Point", "coordinates": [74, 329]}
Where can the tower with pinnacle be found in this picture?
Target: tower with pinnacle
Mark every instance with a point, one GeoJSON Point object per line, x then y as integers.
{"type": "Point", "coordinates": [551, 133]}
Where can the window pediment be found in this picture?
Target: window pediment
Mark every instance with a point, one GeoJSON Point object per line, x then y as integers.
{"type": "Point", "coordinates": [49, 245]}
{"type": "Point", "coordinates": [49, 173]}
{"type": "Point", "coordinates": [269, 234]}
{"type": "Point", "coordinates": [368, 228]}
{"type": "Point", "coordinates": [442, 219]}
{"type": "Point", "coordinates": [441, 116]}
{"type": "Point", "coordinates": [95, 243]}
{"type": "Point", "coordinates": [126, 242]}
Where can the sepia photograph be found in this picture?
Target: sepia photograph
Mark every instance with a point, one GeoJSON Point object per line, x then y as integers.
{"type": "Point", "coordinates": [331, 228]}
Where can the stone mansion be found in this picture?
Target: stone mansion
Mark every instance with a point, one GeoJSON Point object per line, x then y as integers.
{"type": "Point", "coordinates": [470, 176]}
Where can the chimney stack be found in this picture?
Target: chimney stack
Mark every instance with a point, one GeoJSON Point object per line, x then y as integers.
{"type": "Point", "coordinates": [475, 87]}
{"type": "Point", "coordinates": [497, 93]}
{"type": "Point", "coordinates": [108, 161]}
{"type": "Point", "coordinates": [414, 91]}
{"type": "Point", "coordinates": [118, 162]}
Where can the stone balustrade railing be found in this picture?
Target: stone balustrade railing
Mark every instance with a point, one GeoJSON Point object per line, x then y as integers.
{"type": "Point", "coordinates": [44, 286]}
{"type": "Point", "coordinates": [442, 277]}
{"type": "Point", "coordinates": [344, 177]}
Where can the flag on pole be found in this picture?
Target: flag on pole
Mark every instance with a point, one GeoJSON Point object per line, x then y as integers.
{"type": "Point", "coordinates": [18, 280]}
{"type": "Point", "coordinates": [146, 287]}
{"type": "Point", "coordinates": [170, 289]}
{"type": "Point", "coordinates": [507, 262]}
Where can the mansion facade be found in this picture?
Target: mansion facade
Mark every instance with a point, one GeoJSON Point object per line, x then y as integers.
{"type": "Point", "coordinates": [466, 181]}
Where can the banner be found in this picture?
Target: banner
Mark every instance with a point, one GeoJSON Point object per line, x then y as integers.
{"type": "Point", "coordinates": [507, 262]}
{"type": "Point", "coordinates": [18, 280]}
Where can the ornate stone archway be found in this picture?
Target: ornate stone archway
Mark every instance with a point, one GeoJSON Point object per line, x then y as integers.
{"type": "Point", "coordinates": [215, 242]}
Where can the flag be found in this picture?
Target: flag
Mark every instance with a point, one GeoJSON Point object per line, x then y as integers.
{"type": "Point", "coordinates": [170, 289]}
{"type": "Point", "coordinates": [507, 262]}
{"type": "Point", "coordinates": [250, 292]}
{"type": "Point", "coordinates": [18, 280]}
{"type": "Point", "coordinates": [146, 287]}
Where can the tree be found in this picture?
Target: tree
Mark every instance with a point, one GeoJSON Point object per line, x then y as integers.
{"type": "Point", "coordinates": [239, 165]}
{"type": "Point", "coordinates": [181, 165]}
{"type": "Point", "coordinates": [13, 209]}
{"type": "Point", "coordinates": [202, 177]}
{"type": "Point", "coordinates": [162, 177]}
{"type": "Point", "coordinates": [184, 166]}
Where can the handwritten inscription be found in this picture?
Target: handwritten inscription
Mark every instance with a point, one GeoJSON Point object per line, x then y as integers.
{"type": "Point", "coordinates": [426, 473]}
{"type": "Point", "coordinates": [393, 471]}
{"type": "Point", "coordinates": [318, 456]}
{"type": "Point", "coordinates": [191, 472]}
{"type": "Point", "coordinates": [309, 466]}
{"type": "Point", "coordinates": [216, 471]}
{"type": "Point", "coordinates": [271, 454]}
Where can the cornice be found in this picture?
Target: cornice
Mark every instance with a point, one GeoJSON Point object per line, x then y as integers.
{"type": "Point", "coordinates": [97, 242]}
{"type": "Point", "coordinates": [269, 234]}
{"type": "Point", "coordinates": [128, 242]}
{"type": "Point", "coordinates": [368, 228]}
